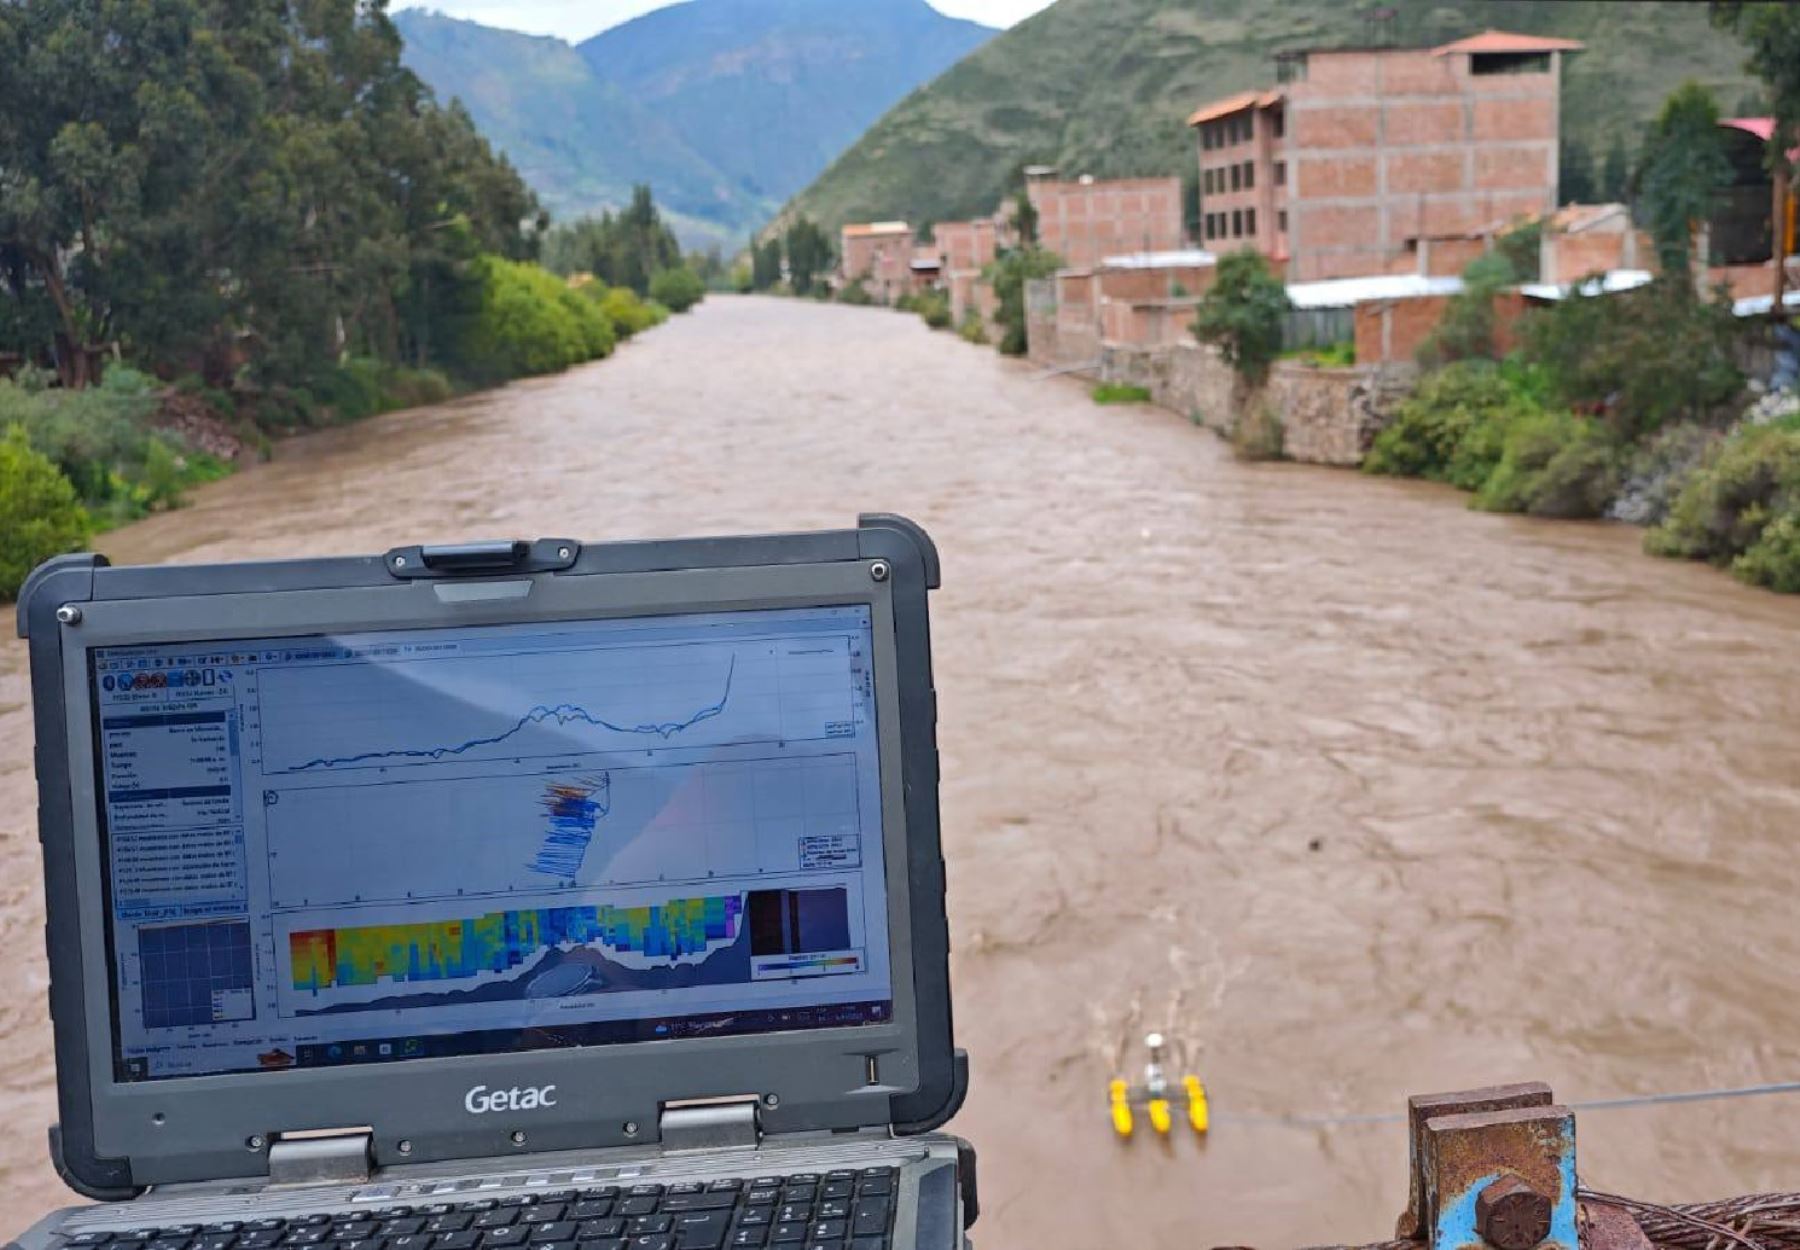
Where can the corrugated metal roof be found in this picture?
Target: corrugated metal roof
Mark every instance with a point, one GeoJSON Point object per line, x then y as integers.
{"type": "Point", "coordinates": [1348, 292]}
{"type": "Point", "coordinates": [1611, 282]}
{"type": "Point", "coordinates": [1506, 41]}
{"type": "Point", "coordinates": [1756, 305]}
{"type": "Point", "coordinates": [1191, 258]}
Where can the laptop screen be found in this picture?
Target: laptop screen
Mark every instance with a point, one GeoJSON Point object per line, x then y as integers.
{"type": "Point", "coordinates": [374, 847]}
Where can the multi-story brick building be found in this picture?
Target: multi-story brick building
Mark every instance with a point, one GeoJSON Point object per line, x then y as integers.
{"type": "Point", "coordinates": [1086, 220]}
{"type": "Point", "coordinates": [879, 255]}
{"type": "Point", "coordinates": [1363, 157]}
{"type": "Point", "coordinates": [965, 248]}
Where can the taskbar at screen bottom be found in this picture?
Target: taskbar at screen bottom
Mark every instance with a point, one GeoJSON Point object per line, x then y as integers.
{"type": "Point", "coordinates": [512, 1041]}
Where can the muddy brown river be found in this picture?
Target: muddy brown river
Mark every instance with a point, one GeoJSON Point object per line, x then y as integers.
{"type": "Point", "coordinates": [1551, 782]}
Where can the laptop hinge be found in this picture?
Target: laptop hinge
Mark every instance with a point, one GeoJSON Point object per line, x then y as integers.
{"type": "Point", "coordinates": [321, 1157]}
{"type": "Point", "coordinates": [711, 1124]}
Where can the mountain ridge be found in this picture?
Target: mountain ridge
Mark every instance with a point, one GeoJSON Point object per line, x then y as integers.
{"type": "Point", "coordinates": [726, 107]}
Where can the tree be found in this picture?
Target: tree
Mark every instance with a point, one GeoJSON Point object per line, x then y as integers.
{"type": "Point", "coordinates": [1682, 169]}
{"type": "Point", "coordinates": [232, 189]}
{"type": "Point", "coordinates": [1026, 218]}
{"type": "Point", "coordinates": [677, 289]}
{"type": "Point", "coordinates": [1615, 173]}
{"type": "Point", "coordinates": [1466, 331]}
{"type": "Point", "coordinates": [1243, 313]}
{"type": "Point", "coordinates": [626, 249]}
{"type": "Point", "coordinates": [1575, 183]}
{"type": "Point", "coordinates": [765, 263]}
{"type": "Point", "coordinates": [1009, 273]}
{"type": "Point", "coordinates": [809, 255]}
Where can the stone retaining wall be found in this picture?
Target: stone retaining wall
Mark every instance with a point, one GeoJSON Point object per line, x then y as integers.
{"type": "Point", "coordinates": [1329, 416]}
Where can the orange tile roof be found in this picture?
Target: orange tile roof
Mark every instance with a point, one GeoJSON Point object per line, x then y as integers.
{"type": "Point", "coordinates": [1234, 104]}
{"type": "Point", "coordinates": [877, 227]}
{"type": "Point", "coordinates": [1505, 41]}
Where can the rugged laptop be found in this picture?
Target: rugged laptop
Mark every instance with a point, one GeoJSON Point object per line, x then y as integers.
{"type": "Point", "coordinates": [532, 896]}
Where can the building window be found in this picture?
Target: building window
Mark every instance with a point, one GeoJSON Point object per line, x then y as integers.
{"type": "Point", "coordinates": [1278, 120]}
{"type": "Point", "coordinates": [1509, 63]}
{"type": "Point", "coordinates": [1237, 223]}
{"type": "Point", "coordinates": [1211, 230]}
{"type": "Point", "coordinates": [1249, 175]}
{"type": "Point", "coordinates": [1250, 221]}
{"type": "Point", "coordinates": [1237, 177]}
{"type": "Point", "coordinates": [1281, 221]}
{"type": "Point", "coordinates": [1281, 173]}
{"type": "Point", "coordinates": [1290, 67]}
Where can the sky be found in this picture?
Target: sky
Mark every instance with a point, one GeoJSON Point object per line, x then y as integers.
{"type": "Point", "coordinates": [575, 20]}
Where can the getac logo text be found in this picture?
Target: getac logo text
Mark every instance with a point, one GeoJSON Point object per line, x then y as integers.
{"type": "Point", "coordinates": [481, 1100]}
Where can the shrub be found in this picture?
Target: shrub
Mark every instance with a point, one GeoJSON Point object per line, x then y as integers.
{"type": "Point", "coordinates": [1117, 393]}
{"type": "Point", "coordinates": [40, 516]}
{"type": "Point", "coordinates": [973, 329]}
{"type": "Point", "coordinates": [1466, 331]}
{"type": "Point", "coordinates": [522, 325]}
{"type": "Point", "coordinates": [1552, 464]}
{"type": "Point", "coordinates": [402, 387]}
{"type": "Point", "coordinates": [855, 293]}
{"type": "Point", "coordinates": [1258, 434]}
{"type": "Point", "coordinates": [1739, 508]}
{"type": "Point", "coordinates": [934, 308]}
{"type": "Point", "coordinates": [677, 289]}
{"type": "Point", "coordinates": [1641, 359]}
{"type": "Point", "coordinates": [1452, 428]}
{"type": "Point", "coordinates": [1243, 311]}
{"type": "Point", "coordinates": [628, 314]}
{"type": "Point", "coordinates": [598, 336]}
{"type": "Point", "coordinates": [349, 391]}
{"type": "Point", "coordinates": [1339, 355]}
{"type": "Point", "coordinates": [101, 439]}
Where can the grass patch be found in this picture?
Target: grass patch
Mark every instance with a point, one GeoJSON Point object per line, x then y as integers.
{"type": "Point", "coordinates": [1117, 393]}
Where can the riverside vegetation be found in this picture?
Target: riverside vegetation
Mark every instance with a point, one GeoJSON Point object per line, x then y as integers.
{"type": "Point", "coordinates": [219, 225]}
{"type": "Point", "coordinates": [1630, 405]}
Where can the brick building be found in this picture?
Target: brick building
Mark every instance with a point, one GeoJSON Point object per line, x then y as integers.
{"type": "Point", "coordinates": [965, 248]}
{"type": "Point", "coordinates": [1362, 158]}
{"type": "Point", "coordinates": [1086, 220]}
{"type": "Point", "coordinates": [879, 255]}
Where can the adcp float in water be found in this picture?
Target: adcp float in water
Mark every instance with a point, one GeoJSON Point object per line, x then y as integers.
{"type": "Point", "coordinates": [1156, 1097]}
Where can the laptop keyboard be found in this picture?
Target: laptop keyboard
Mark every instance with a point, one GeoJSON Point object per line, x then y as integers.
{"type": "Point", "coordinates": [842, 1210]}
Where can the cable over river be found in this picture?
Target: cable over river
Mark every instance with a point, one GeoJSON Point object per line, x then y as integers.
{"type": "Point", "coordinates": [1353, 791]}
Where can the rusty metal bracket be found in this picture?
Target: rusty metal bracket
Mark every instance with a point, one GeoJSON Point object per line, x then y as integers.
{"type": "Point", "coordinates": [1500, 1179]}
{"type": "Point", "coordinates": [1422, 1107]}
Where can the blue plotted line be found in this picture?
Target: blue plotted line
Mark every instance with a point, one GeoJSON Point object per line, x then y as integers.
{"type": "Point", "coordinates": [562, 714]}
{"type": "Point", "coordinates": [574, 806]}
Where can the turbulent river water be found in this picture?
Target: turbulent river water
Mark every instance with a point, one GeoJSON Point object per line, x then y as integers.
{"type": "Point", "coordinates": [1355, 792]}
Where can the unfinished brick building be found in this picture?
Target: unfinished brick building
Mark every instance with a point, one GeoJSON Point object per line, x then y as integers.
{"type": "Point", "coordinates": [879, 255]}
{"type": "Point", "coordinates": [1085, 221]}
{"type": "Point", "coordinates": [1366, 160]}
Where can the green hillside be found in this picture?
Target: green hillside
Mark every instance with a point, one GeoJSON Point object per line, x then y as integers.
{"type": "Point", "coordinates": [1105, 87]}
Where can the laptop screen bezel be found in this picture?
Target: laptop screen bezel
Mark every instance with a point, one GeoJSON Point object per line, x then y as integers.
{"type": "Point", "coordinates": [203, 1127]}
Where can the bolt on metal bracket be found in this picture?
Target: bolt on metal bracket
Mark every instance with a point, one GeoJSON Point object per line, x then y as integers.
{"type": "Point", "coordinates": [1502, 1179]}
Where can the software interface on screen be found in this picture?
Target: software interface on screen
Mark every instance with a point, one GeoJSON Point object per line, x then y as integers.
{"type": "Point", "coordinates": [375, 847]}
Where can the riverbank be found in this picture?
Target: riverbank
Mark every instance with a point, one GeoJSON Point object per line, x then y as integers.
{"type": "Point", "coordinates": [1551, 781]}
